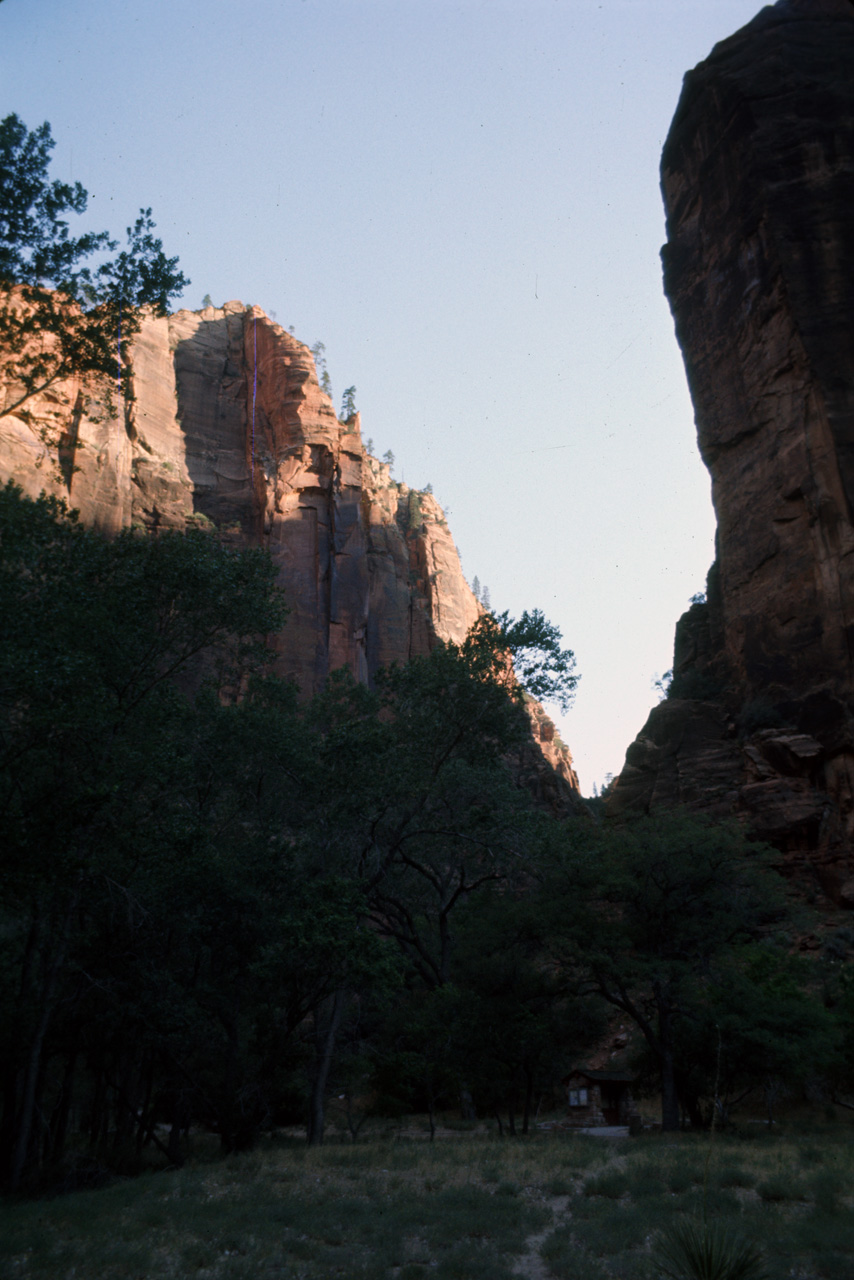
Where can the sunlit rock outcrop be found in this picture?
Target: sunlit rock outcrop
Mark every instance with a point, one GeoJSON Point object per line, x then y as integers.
{"type": "Point", "coordinates": [228, 427]}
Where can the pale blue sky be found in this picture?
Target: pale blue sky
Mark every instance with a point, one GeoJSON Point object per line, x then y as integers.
{"type": "Point", "coordinates": [460, 198]}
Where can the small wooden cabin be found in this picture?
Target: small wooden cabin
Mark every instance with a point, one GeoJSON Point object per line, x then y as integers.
{"type": "Point", "coordinates": [600, 1097]}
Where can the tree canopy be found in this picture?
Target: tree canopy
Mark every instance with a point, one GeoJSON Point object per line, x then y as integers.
{"type": "Point", "coordinates": [661, 916]}
{"type": "Point", "coordinates": [221, 905]}
{"type": "Point", "coordinates": [203, 880]}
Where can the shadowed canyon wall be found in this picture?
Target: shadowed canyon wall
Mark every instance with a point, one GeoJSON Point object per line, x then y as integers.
{"type": "Point", "coordinates": [758, 183]}
{"type": "Point", "coordinates": [229, 428]}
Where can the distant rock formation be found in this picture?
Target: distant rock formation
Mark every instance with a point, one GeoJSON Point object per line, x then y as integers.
{"type": "Point", "coordinates": [758, 184]}
{"type": "Point", "coordinates": [229, 427]}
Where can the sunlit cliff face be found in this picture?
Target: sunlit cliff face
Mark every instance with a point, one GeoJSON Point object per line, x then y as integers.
{"type": "Point", "coordinates": [227, 427]}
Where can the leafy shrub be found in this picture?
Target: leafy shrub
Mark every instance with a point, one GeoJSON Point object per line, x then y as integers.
{"type": "Point", "coordinates": [643, 1182]}
{"type": "Point", "coordinates": [826, 1240]}
{"type": "Point", "coordinates": [780, 1187]}
{"type": "Point", "coordinates": [713, 1203]}
{"type": "Point", "coordinates": [610, 1184]}
{"type": "Point", "coordinates": [734, 1175]}
{"type": "Point", "coordinates": [567, 1260]}
{"type": "Point", "coordinates": [414, 514]}
{"type": "Point", "coordinates": [826, 1188]}
{"type": "Point", "coordinates": [679, 1180]}
{"type": "Point", "coordinates": [619, 1228]}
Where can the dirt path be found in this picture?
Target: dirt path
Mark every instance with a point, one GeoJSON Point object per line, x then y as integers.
{"type": "Point", "coordinates": [530, 1266]}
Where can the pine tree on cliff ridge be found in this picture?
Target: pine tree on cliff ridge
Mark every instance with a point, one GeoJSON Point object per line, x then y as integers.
{"type": "Point", "coordinates": [59, 317]}
{"type": "Point", "coordinates": [348, 404]}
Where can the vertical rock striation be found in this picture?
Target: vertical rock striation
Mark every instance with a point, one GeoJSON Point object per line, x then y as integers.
{"type": "Point", "coordinates": [758, 184]}
{"type": "Point", "coordinates": [229, 427]}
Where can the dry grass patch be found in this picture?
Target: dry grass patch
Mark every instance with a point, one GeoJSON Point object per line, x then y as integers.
{"type": "Point", "coordinates": [461, 1210]}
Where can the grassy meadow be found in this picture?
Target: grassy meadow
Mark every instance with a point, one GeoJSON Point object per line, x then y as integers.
{"type": "Point", "coordinates": [466, 1207]}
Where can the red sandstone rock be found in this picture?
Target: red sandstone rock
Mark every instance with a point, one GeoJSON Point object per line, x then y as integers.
{"type": "Point", "coordinates": [230, 427]}
{"type": "Point", "coordinates": [547, 746]}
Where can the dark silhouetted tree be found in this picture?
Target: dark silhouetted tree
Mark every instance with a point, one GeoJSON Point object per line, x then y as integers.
{"type": "Point", "coordinates": [58, 316]}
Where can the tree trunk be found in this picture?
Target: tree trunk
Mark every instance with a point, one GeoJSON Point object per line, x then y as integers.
{"type": "Point", "coordinates": [97, 1104]}
{"type": "Point", "coordinates": [180, 1121]}
{"type": "Point", "coordinates": [669, 1093]}
{"type": "Point", "coordinates": [14, 1056]}
{"type": "Point", "coordinates": [669, 1096]}
{"type": "Point", "coordinates": [174, 1146]}
{"type": "Point", "coordinates": [28, 1103]}
{"type": "Point", "coordinates": [150, 1135]}
{"type": "Point", "coordinates": [354, 1124]}
{"type": "Point", "coordinates": [125, 1116]}
{"type": "Point", "coordinates": [34, 1063]}
{"type": "Point", "coordinates": [142, 1118]}
{"type": "Point", "coordinates": [529, 1098]}
{"type": "Point", "coordinates": [691, 1106]}
{"type": "Point", "coordinates": [59, 1120]}
{"type": "Point", "coordinates": [325, 1049]}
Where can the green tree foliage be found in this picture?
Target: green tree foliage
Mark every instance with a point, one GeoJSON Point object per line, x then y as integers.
{"type": "Point", "coordinates": [102, 647]}
{"type": "Point", "coordinates": [58, 315]}
{"type": "Point", "coordinates": [661, 914]}
{"type": "Point", "coordinates": [541, 667]}
{"type": "Point", "coordinates": [775, 1033]}
{"type": "Point", "coordinates": [520, 1020]}
{"type": "Point", "coordinates": [348, 404]}
{"type": "Point", "coordinates": [417, 1053]}
{"type": "Point", "coordinates": [418, 804]}
{"type": "Point", "coordinates": [319, 353]}
{"type": "Point", "coordinates": [203, 883]}
{"type": "Point", "coordinates": [168, 934]}
{"type": "Point", "coordinates": [219, 905]}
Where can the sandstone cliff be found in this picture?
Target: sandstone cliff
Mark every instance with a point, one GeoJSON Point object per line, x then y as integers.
{"type": "Point", "coordinates": [758, 184]}
{"type": "Point", "coordinates": [228, 427]}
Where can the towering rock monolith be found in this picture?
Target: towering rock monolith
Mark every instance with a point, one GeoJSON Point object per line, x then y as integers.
{"type": "Point", "coordinates": [758, 184]}
{"type": "Point", "coordinates": [228, 428]}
